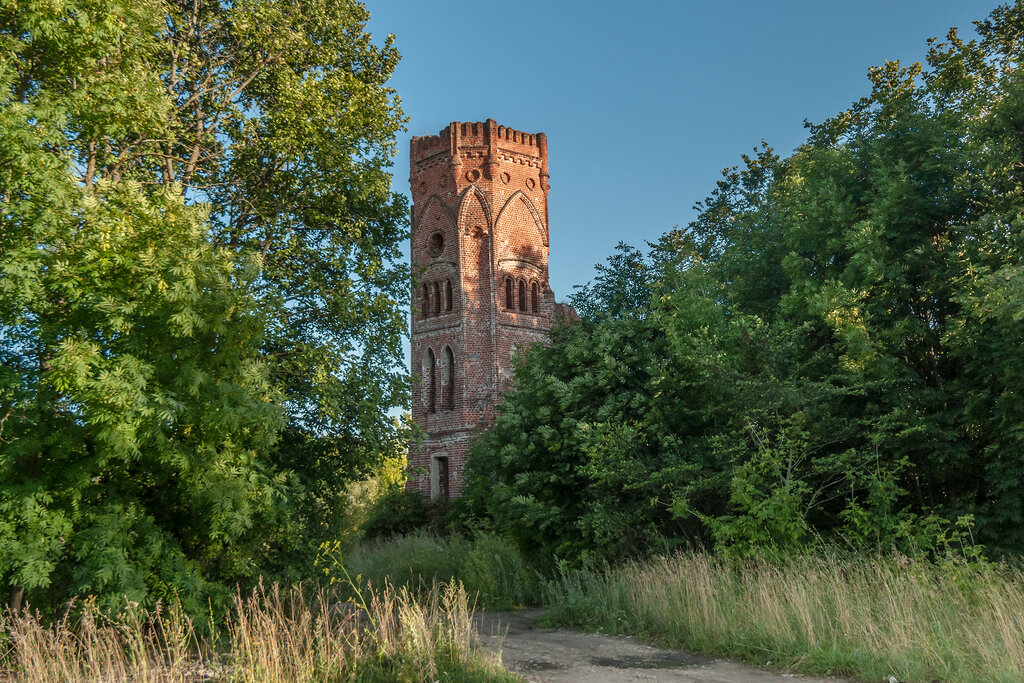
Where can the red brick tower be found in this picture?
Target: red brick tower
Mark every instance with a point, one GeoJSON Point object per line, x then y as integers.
{"type": "Point", "coordinates": [480, 253]}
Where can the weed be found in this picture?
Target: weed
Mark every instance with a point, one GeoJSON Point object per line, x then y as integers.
{"type": "Point", "coordinates": [871, 617]}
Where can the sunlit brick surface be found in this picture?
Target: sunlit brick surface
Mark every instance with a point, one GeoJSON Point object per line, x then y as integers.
{"type": "Point", "coordinates": [480, 262]}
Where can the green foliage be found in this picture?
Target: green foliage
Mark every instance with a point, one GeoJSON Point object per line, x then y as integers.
{"type": "Point", "coordinates": [142, 401]}
{"type": "Point", "coordinates": [830, 350]}
{"type": "Point", "coordinates": [590, 451]}
{"type": "Point", "coordinates": [285, 128]}
{"type": "Point", "coordinates": [885, 236]}
{"type": "Point", "coordinates": [620, 289]}
{"type": "Point", "coordinates": [415, 560]}
{"type": "Point", "coordinates": [198, 242]}
{"type": "Point", "coordinates": [768, 499]}
{"type": "Point", "coordinates": [494, 572]}
{"type": "Point", "coordinates": [398, 513]}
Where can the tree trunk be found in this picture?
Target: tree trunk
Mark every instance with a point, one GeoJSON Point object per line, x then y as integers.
{"type": "Point", "coordinates": [14, 601]}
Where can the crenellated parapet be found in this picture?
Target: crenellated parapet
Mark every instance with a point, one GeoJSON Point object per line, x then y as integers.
{"type": "Point", "coordinates": [482, 145]}
{"type": "Point", "coordinates": [480, 251]}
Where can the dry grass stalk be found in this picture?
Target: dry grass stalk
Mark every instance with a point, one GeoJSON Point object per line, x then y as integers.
{"type": "Point", "coordinates": [870, 617]}
{"type": "Point", "coordinates": [271, 635]}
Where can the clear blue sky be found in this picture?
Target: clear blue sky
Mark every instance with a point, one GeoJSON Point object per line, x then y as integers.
{"type": "Point", "coordinates": [644, 102]}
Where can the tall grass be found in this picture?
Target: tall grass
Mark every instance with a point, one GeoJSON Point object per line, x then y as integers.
{"type": "Point", "coordinates": [270, 635]}
{"type": "Point", "coordinates": [494, 573]}
{"type": "Point", "coordinates": [870, 617]}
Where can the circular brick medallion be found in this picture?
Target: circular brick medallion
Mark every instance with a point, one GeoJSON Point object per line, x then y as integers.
{"type": "Point", "coordinates": [531, 183]}
{"type": "Point", "coordinates": [505, 177]}
{"type": "Point", "coordinates": [472, 175]}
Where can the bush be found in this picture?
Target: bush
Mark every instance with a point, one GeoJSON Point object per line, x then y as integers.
{"type": "Point", "coordinates": [499, 574]}
{"type": "Point", "coordinates": [416, 560]}
{"type": "Point", "coordinates": [829, 350]}
{"type": "Point", "coordinates": [492, 570]}
{"type": "Point", "coordinates": [398, 513]}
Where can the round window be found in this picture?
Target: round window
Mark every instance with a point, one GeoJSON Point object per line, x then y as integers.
{"type": "Point", "coordinates": [435, 244]}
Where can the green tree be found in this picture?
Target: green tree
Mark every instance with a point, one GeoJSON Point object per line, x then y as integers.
{"type": "Point", "coordinates": [883, 254]}
{"type": "Point", "coordinates": [283, 124]}
{"type": "Point", "coordinates": [620, 289]}
{"type": "Point", "coordinates": [598, 441]}
{"type": "Point", "coordinates": [843, 331]}
{"type": "Point", "coordinates": [199, 288]}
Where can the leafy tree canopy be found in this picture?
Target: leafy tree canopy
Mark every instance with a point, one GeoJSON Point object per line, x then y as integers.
{"type": "Point", "coordinates": [200, 282]}
{"type": "Point", "coordinates": [831, 349]}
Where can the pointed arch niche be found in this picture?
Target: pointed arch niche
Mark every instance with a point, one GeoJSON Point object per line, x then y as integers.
{"type": "Point", "coordinates": [434, 221]}
{"type": "Point", "coordinates": [519, 219]}
{"type": "Point", "coordinates": [447, 379]}
{"type": "Point", "coordinates": [428, 377]}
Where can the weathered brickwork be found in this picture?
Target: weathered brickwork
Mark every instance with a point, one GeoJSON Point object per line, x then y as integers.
{"type": "Point", "coordinates": [480, 255]}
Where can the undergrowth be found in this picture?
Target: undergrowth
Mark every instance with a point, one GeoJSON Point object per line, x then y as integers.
{"type": "Point", "coordinates": [384, 634]}
{"type": "Point", "coordinates": [494, 573]}
{"type": "Point", "coordinates": [869, 617]}
{"type": "Point", "coordinates": [401, 611]}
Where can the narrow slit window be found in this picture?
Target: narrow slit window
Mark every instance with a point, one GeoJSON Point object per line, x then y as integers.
{"type": "Point", "coordinates": [509, 302]}
{"type": "Point", "coordinates": [534, 297]}
{"type": "Point", "coordinates": [439, 485]}
{"type": "Point", "coordinates": [437, 299]}
{"type": "Point", "coordinates": [522, 295]}
{"type": "Point", "coordinates": [448, 295]}
{"type": "Point", "coordinates": [431, 378]}
{"type": "Point", "coordinates": [448, 379]}
{"type": "Point", "coordinates": [442, 479]}
{"type": "Point", "coordinates": [425, 304]}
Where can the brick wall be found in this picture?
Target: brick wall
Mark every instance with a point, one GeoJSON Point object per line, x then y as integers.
{"type": "Point", "coordinates": [480, 262]}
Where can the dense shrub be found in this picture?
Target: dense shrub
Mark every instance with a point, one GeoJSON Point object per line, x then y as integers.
{"type": "Point", "coordinates": [830, 350]}
{"type": "Point", "coordinates": [399, 513]}
{"type": "Point", "coordinates": [199, 349]}
{"type": "Point", "coordinates": [494, 572]}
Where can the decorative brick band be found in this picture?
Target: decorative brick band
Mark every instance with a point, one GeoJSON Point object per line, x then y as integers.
{"type": "Point", "coordinates": [480, 248]}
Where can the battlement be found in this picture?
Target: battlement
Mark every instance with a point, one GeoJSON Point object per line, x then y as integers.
{"type": "Point", "coordinates": [480, 246]}
{"type": "Point", "coordinates": [424, 146]}
{"type": "Point", "coordinates": [458, 136]}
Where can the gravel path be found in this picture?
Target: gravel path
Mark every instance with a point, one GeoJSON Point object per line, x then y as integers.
{"type": "Point", "coordinates": [546, 655]}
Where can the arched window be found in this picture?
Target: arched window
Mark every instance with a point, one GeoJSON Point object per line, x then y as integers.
{"type": "Point", "coordinates": [534, 297]}
{"type": "Point", "coordinates": [437, 298]}
{"type": "Point", "coordinates": [429, 379]}
{"type": "Point", "coordinates": [447, 379]}
{"type": "Point", "coordinates": [439, 477]}
{"type": "Point", "coordinates": [448, 295]}
{"type": "Point", "coordinates": [522, 295]}
{"type": "Point", "coordinates": [425, 304]}
{"type": "Point", "coordinates": [509, 301]}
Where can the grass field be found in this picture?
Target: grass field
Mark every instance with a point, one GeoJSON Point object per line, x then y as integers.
{"type": "Point", "coordinates": [269, 636]}
{"type": "Point", "coordinates": [495, 574]}
{"type": "Point", "coordinates": [867, 617]}
{"type": "Point", "coordinates": [862, 617]}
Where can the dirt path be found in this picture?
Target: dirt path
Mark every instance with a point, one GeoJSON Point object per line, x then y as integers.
{"type": "Point", "coordinates": [547, 655]}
